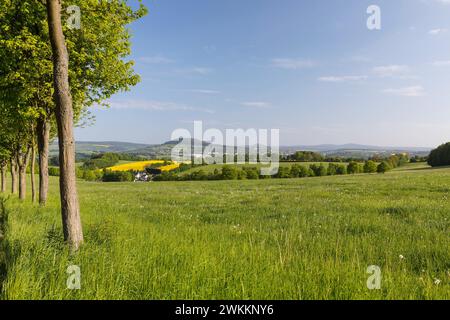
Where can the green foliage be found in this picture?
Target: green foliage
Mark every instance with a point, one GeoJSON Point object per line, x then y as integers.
{"type": "Point", "coordinates": [384, 167]}
{"type": "Point", "coordinates": [370, 167]}
{"type": "Point", "coordinates": [306, 156]}
{"type": "Point", "coordinates": [354, 168]}
{"type": "Point", "coordinates": [118, 176]}
{"type": "Point", "coordinates": [229, 172]}
{"type": "Point", "coordinates": [283, 173]}
{"type": "Point", "coordinates": [251, 173]}
{"type": "Point", "coordinates": [319, 170]}
{"type": "Point", "coordinates": [341, 169]}
{"type": "Point", "coordinates": [101, 161]}
{"type": "Point", "coordinates": [440, 156]}
{"type": "Point", "coordinates": [332, 169]}
{"type": "Point", "coordinates": [53, 171]}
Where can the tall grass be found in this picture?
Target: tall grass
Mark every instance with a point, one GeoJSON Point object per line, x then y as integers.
{"type": "Point", "coordinates": [269, 239]}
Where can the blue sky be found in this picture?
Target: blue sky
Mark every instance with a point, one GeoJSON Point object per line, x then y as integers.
{"type": "Point", "coordinates": [309, 68]}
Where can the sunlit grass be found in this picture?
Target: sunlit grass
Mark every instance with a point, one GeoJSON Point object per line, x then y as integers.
{"type": "Point", "coordinates": [307, 238]}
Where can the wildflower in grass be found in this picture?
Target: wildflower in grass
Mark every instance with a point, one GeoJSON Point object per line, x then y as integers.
{"type": "Point", "coordinates": [437, 281]}
{"type": "Point", "coordinates": [401, 257]}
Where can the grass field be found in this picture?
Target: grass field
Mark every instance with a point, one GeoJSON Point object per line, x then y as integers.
{"type": "Point", "coordinates": [309, 238]}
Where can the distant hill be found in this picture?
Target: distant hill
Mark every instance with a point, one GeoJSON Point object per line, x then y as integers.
{"type": "Point", "coordinates": [87, 148]}
{"type": "Point", "coordinates": [356, 150]}
{"type": "Point", "coordinates": [351, 146]}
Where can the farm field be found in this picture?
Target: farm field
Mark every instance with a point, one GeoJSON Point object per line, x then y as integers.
{"type": "Point", "coordinates": [310, 238]}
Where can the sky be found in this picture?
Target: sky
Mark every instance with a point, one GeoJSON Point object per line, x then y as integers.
{"type": "Point", "coordinates": [310, 68]}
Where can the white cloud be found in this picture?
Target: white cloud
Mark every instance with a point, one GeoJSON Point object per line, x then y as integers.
{"type": "Point", "coordinates": [256, 104]}
{"type": "Point", "coordinates": [156, 60]}
{"type": "Point", "coordinates": [150, 105]}
{"type": "Point", "coordinates": [443, 1]}
{"type": "Point", "coordinates": [292, 64]}
{"type": "Point", "coordinates": [342, 78]}
{"type": "Point", "coordinates": [442, 63]}
{"type": "Point", "coordinates": [391, 71]}
{"type": "Point", "coordinates": [437, 31]}
{"type": "Point", "coordinates": [413, 91]}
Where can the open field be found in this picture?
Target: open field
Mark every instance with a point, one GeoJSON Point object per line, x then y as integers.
{"type": "Point", "coordinates": [310, 238]}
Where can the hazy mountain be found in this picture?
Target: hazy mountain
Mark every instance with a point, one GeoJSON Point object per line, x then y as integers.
{"type": "Point", "coordinates": [164, 150]}
{"type": "Point", "coordinates": [88, 147]}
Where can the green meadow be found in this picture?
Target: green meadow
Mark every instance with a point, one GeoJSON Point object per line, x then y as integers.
{"type": "Point", "coordinates": [310, 238]}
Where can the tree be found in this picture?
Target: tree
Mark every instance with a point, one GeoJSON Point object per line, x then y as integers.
{"type": "Point", "coordinates": [252, 173]}
{"type": "Point", "coordinates": [70, 209]}
{"type": "Point", "coordinates": [229, 172]}
{"type": "Point", "coordinates": [4, 157]}
{"type": "Point", "coordinates": [440, 156]}
{"type": "Point", "coordinates": [353, 167]}
{"type": "Point", "coordinates": [284, 172]}
{"type": "Point", "coordinates": [370, 167]}
{"type": "Point", "coordinates": [319, 170]}
{"type": "Point", "coordinates": [332, 169]}
{"type": "Point", "coordinates": [383, 167]}
{"type": "Point", "coordinates": [295, 171]}
{"type": "Point", "coordinates": [341, 169]}
{"type": "Point", "coordinates": [97, 68]}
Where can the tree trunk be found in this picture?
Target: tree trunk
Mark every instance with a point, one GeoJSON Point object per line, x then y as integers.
{"type": "Point", "coordinates": [43, 138]}
{"type": "Point", "coordinates": [70, 209]}
{"type": "Point", "coordinates": [3, 171]}
{"type": "Point", "coordinates": [14, 187]}
{"type": "Point", "coordinates": [32, 169]}
{"type": "Point", "coordinates": [23, 160]}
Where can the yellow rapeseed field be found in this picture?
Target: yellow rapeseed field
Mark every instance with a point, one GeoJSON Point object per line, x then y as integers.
{"type": "Point", "coordinates": [141, 165]}
{"type": "Point", "coordinates": [135, 166]}
{"type": "Point", "coordinates": [170, 167]}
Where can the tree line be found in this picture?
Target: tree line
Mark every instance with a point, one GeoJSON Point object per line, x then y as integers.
{"type": "Point", "coordinates": [233, 172]}
{"type": "Point", "coordinates": [50, 74]}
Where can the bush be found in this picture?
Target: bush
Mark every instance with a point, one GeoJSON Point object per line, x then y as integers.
{"type": "Point", "coordinates": [370, 167]}
{"type": "Point", "coordinates": [383, 167]}
{"type": "Point", "coordinates": [53, 171]}
{"type": "Point", "coordinates": [440, 156]}
{"type": "Point", "coordinates": [198, 175]}
{"type": "Point", "coordinates": [166, 176]}
{"type": "Point", "coordinates": [319, 170]}
{"type": "Point", "coordinates": [283, 172]}
{"type": "Point", "coordinates": [341, 169]}
{"type": "Point", "coordinates": [252, 173]}
{"type": "Point", "coordinates": [353, 168]}
{"type": "Point", "coordinates": [332, 169]}
{"type": "Point", "coordinates": [118, 176]}
{"type": "Point", "coordinates": [229, 173]}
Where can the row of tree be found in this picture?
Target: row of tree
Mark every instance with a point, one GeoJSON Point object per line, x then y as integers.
{"type": "Point", "coordinates": [43, 92]}
{"type": "Point", "coordinates": [232, 172]}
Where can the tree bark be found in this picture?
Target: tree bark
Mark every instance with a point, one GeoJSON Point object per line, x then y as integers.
{"type": "Point", "coordinates": [43, 138]}
{"type": "Point", "coordinates": [22, 161]}
{"type": "Point", "coordinates": [32, 169]}
{"type": "Point", "coordinates": [70, 210]}
{"type": "Point", "coordinates": [3, 169]}
{"type": "Point", "coordinates": [14, 186]}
